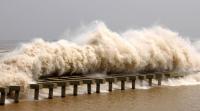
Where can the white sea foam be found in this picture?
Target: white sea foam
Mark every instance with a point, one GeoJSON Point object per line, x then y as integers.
{"type": "Point", "coordinates": [100, 50]}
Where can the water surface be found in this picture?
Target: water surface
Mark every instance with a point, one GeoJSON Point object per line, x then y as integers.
{"type": "Point", "coordinates": [182, 98]}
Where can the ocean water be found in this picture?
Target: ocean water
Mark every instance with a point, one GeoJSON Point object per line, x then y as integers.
{"type": "Point", "coordinates": [99, 51]}
{"type": "Point", "coordinates": [181, 98]}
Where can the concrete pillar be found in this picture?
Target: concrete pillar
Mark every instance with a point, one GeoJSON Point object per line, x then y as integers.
{"type": "Point", "coordinates": [159, 81]}
{"type": "Point", "coordinates": [63, 85]}
{"type": "Point", "coordinates": [75, 84]}
{"type": "Point", "coordinates": [50, 86]}
{"type": "Point", "coordinates": [36, 88]}
{"type": "Point", "coordinates": [36, 94]}
{"type": "Point", "coordinates": [98, 87]}
{"type": "Point", "coordinates": [98, 82]}
{"type": "Point", "coordinates": [89, 88]}
{"type": "Point", "coordinates": [89, 84]}
{"type": "Point", "coordinates": [110, 80]}
{"type": "Point", "coordinates": [50, 93]}
{"type": "Point", "coordinates": [110, 86]}
{"type": "Point", "coordinates": [122, 79]}
{"type": "Point", "coordinates": [150, 77]}
{"type": "Point", "coordinates": [16, 90]}
{"type": "Point", "coordinates": [150, 81]}
{"type": "Point", "coordinates": [159, 78]}
{"type": "Point", "coordinates": [132, 79]}
{"type": "Point", "coordinates": [133, 84]}
{"type": "Point", "coordinates": [141, 78]}
{"type": "Point", "coordinates": [122, 85]}
{"type": "Point", "coordinates": [75, 91]}
{"type": "Point", "coordinates": [63, 91]}
{"type": "Point", "coordinates": [3, 92]}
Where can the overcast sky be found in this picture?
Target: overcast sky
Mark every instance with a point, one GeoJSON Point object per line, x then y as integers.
{"type": "Point", "coordinates": [26, 19]}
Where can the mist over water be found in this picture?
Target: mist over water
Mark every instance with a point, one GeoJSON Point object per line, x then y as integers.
{"type": "Point", "coordinates": [100, 50]}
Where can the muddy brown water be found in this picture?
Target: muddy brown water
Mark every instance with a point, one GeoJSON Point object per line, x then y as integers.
{"type": "Point", "coordinates": [181, 98]}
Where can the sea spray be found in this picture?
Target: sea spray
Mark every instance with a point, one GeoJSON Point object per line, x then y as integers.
{"type": "Point", "coordinates": [101, 51]}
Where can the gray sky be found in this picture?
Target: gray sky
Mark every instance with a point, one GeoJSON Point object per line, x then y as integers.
{"type": "Point", "coordinates": [26, 19]}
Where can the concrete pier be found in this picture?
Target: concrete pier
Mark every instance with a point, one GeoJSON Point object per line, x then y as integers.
{"type": "Point", "coordinates": [50, 86]}
{"type": "Point", "coordinates": [16, 90]}
{"type": "Point", "coordinates": [122, 79]}
{"type": "Point", "coordinates": [36, 88]}
{"type": "Point", "coordinates": [75, 84]}
{"type": "Point", "coordinates": [75, 81]}
{"type": "Point", "coordinates": [159, 78]}
{"type": "Point", "coordinates": [3, 92]}
{"type": "Point", "coordinates": [89, 83]}
{"type": "Point", "coordinates": [132, 79]}
{"type": "Point", "coordinates": [110, 80]}
{"type": "Point", "coordinates": [63, 85]}
{"type": "Point", "coordinates": [98, 82]}
{"type": "Point", "coordinates": [141, 78]}
{"type": "Point", "coordinates": [150, 77]}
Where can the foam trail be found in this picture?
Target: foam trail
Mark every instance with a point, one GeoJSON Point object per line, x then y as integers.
{"type": "Point", "coordinates": [100, 50]}
{"type": "Point", "coordinates": [193, 79]}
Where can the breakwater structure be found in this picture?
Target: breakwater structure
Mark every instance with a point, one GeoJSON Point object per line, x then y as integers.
{"type": "Point", "coordinates": [63, 82]}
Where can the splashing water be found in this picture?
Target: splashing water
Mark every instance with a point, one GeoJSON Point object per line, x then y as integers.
{"type": "Point", "coordinates": [99, 50]}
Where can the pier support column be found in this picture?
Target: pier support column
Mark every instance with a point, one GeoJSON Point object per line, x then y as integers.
{"type": "Point", "coordinates": [110, 80]}
{"type": "Point", "coordinates": [36, 88]}
{"type": "Point", "coordinates": [98, 82]}
{"type": "Point", "coordinates": [63, 91]}
{"type": "Point", "coordinates": [60, 83]}
{"type": "Point", "coordinates": [50, 93]}
{"type": "Point", "coordinates": [110, 86]}
{"type": "Point", "coordinates": [75, 91]}
{"type": "Point", "coordinates": [3, 92]}
{"type": "Point", "coordinates": [50, 86]}
{"type": "Point", "coordinates": [63, 85]}
{"type": "Point", "coordinates": [159, 81]}
{"type": "Point", "coordinates": [159, 78]}
{"type": "Point", "coordinates": [141, 78]}
{"type": "Point", "coordinates": [132, 79]}
{"type": "Point", "coordinates": [150, 77]}
{"type": "Point", "coordinates": [89, 85]}
{"type": "Point", "coordinates": [98, 87]}
{"type": "Point", "coordinates": [122, 79]}
{"type": "Point", "coordinates": [16, 90]}
{"type": "Point", "coordinates": [89, 88]}
{"type": "Point", "coordinates": [75, 84]}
